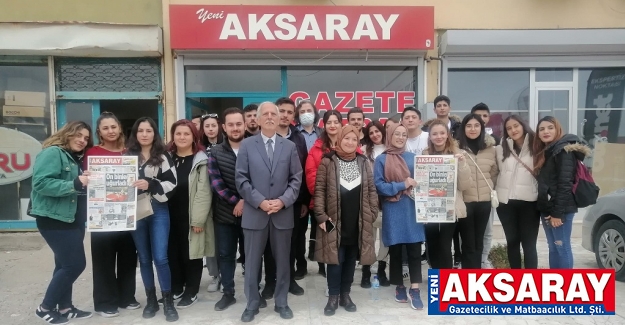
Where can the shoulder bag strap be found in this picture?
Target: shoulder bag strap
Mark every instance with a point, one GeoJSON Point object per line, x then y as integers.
{"type": "Point", "coordinates": [522, 163]}
{"type": "Point", "coordinates": [478, 169]}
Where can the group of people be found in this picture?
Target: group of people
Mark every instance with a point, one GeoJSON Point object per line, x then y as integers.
{"type": "Point", "coordinates": [251, 178]}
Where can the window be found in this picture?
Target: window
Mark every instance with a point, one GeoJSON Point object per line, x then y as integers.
{"type": "Point", "coordinates": [25, 123]}
{"type": "Point", "coordinates": [232, 79]}
{"type": "Point", "coordinates": [506, 92]}
{"type": "Point", "coordinates": [381, 92]}
{"type": "Point", "coordinates": [601, 103]}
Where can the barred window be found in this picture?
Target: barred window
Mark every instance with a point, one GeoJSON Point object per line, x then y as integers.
{"type": "Point", "coordinates": [112, 75]}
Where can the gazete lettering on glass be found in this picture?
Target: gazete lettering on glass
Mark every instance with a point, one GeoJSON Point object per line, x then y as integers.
{"type": "Point", "coordinates": [301, 27]}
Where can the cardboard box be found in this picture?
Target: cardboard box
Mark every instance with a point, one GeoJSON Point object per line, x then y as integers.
{"type": "Point", "coordinates": [25, 98]}
{"type": "Point", "coordinates": [607, 166]}
{"type": "Point", "coordinates": [22, 111]}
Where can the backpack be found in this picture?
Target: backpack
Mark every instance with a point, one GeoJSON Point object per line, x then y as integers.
{"type": "Point", "coordinates": [585, 191]}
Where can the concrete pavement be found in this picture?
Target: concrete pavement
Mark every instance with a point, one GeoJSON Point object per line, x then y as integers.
{"type": "Point", "coordinates": [24, 276]}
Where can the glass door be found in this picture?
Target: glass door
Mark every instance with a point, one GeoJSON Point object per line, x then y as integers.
{"type": "Point", "coordinates": [78, 110]}
{"type": "Point", "coordinates": [258, 100]}
{"type": "Point", "coordinates": [556, 102]}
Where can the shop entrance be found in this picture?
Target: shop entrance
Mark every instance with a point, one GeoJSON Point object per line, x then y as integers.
{"type": "Point", "coordinates": [127, 111]}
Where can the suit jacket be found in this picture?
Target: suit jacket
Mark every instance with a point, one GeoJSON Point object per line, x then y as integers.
{"type": "Point", "coordinates": [258, 180]}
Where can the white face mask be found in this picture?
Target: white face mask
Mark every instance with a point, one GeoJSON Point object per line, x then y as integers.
{"type": "Point", "coordinates": [307, 119]}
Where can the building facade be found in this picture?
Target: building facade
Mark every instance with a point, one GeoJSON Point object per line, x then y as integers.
{"type": "Point", "coordinates": [531, 58]}
{"type": "Point", "coordinates": [70, 60]}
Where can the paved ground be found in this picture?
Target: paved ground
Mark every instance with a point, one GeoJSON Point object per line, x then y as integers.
{"type": "Point", "coordinates": [24, 276]}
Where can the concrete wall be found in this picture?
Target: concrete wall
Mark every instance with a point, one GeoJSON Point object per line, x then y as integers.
{"type": "Point", "coordinates": [143, 12]}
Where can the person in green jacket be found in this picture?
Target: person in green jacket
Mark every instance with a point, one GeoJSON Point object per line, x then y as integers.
{"type": "Point", "coordinates": [191, 233]}
{"type": "Point", "coordinates": [58, 203]}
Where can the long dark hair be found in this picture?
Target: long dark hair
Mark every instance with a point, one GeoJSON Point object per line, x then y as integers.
{"type": "Point", "coordinates": [195, 145]}
{"type": "Point", "coordinates": [462, 137]}
{"type": "Point", "coordinates": [540, 146]}
{"type": "Point", "coordinates": [527, 132]}
{"type": "Point", "coordinates": [220, 133]}
{"type": "Point", "coordinates": [368, 142]}
{"type": "Point", "coordinates": [158, 147]}
{"type": "Point", "coordinates": [327, 145]}
{"type": "Point", "coordinates": [121, 141]}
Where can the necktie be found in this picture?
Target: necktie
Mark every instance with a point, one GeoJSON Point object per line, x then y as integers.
{"type": "Point", "coordinates": [270, 150]}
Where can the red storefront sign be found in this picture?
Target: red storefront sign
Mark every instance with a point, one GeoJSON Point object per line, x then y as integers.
{"type": "Point", "coordinates": [218, 27]}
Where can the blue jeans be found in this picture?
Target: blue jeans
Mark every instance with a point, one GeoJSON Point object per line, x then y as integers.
{"type": "Point", "coordinates": [151, 239]}
{"type": "Point", "coordinates": [559, 241]}
{"type": "Point", "coordinates": [227, 240]}
{"type": "Point", "coordinates": [69, 259]}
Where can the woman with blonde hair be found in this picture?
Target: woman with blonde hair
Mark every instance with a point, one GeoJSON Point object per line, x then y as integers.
{"type": "Point", "coordinates": [439, 236]}
{"type": "Point", "coordinates": [113, 254]}
{"type": "Point", "coordinates": [59, 205]}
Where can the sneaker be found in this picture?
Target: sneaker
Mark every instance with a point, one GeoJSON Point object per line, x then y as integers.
{"type": "Point", "coordinates": [415, 299]}
{"type": "Point", "coordinates": [176, 298]}
{"type": "Point", "coordinates": [77, 313]}
{"type": "Point", "coordinates": [51, 316]}
{"type": "Point", "coordinates": [132, 306]}
{"type": "Point", "coordinates": [405, 271]}
{"type": "Point", "coordinates": [108, 313]}
{"type": "Point", "coordinates": [400, 294]}
{"type": "Point", "coordinates": [187, 302]}
{"type": "Point", "coordinates": [214, 285]}
{"type": "Point", "coordinates": [226, 301]}
{"type": "Point", "coordinates": [457, 265]}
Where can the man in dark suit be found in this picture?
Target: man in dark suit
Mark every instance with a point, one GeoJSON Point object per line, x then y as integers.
{"type": "Point", "coordinates": [268, 178]}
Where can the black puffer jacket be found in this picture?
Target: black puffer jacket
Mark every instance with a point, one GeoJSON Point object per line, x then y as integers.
{"type": "Point", "coordinates": [555, 179]}
{"type": "Point", "coordinates": [225, 161]}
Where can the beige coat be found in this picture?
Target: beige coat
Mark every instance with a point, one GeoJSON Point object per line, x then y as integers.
{"type": "Point", "coordinates": [328, 205]}
{"type": "Point", "coordinates": [515, 182]}
{"type": "Point", "coordinates": [464, 181]}
{"type": "Point", "coordinates": [200, 209]}
{"type": "Point", "coordinates": [479, 190]}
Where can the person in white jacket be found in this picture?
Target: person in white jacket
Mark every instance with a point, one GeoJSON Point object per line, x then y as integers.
{"type": "Point", "coordinates": [517, 192]}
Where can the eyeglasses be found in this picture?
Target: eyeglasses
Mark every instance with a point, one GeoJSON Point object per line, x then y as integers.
{"type": "Point", "coordinates": [214, 115]}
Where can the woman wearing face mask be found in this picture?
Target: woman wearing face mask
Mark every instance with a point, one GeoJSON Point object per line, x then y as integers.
{"type": "Point", "coordinates": [481, 157]}
{"type": "Point", "coordinates": [211, 132]}
{"type": "Point", "coordinates": [375, 137]}
{"type": "Point", "coordinates": [516, 189]}
{"type": "Point", "coordinates": [157, 177]}
{"type": "Point", "coordinates": [191, 234]}
{"type": "Point", "coordinates": [345, 198]}
{"type": "Point", "coordinates": [113, 254]}
{"type": "Point", "coordinates": [440, 235]}
{"type": "Point", "coordinates": [555, 164]}
{"type": "Point", "coordinates": [326, 143]}
{"type": "Point", "coordinates": [59, 206]}
{"type": "Point", "coordinates": [394, 180]}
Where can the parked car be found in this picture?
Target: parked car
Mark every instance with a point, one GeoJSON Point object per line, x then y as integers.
{"type": "Point", "coordinates": [603, 232]}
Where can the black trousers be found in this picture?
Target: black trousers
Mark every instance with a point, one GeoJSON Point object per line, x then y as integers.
{"type": "Point", "coordinates": [341, 276]}
{"type": "Point", "coordinates": [298, 241]}
{"type": "Point", "coordinates": [300, 245]}
{"type": "Point", "coordinates": [520, 221]}
{"type": "Point", "coordinates": [313, 234]}
{"type": "Point", "coordinates": [414, 263]}
{"type": "Point", "coordinates": [114, 261]}
{"type": "Point", "coordinates": [186, 274]}
{"type": "Point", "coordinates": [439, 237]}
{"type": "Point", "coordinates": [472, 229]}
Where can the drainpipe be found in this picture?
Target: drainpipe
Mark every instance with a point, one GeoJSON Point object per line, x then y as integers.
{"type": "Point", "coordinates": [169, 91]}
